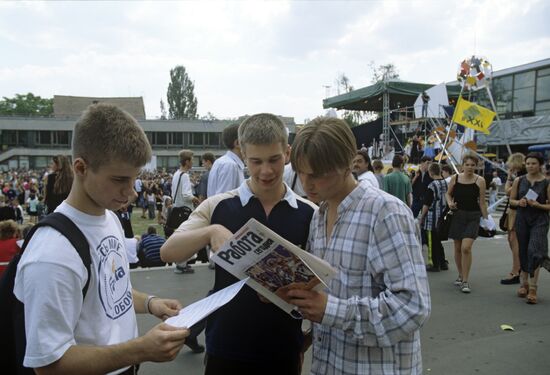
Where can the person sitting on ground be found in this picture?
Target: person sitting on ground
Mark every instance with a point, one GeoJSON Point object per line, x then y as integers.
{"type": "Point", "coordinates": [149, 248]}
{"type": "Point", "coordinates": [8, 242]}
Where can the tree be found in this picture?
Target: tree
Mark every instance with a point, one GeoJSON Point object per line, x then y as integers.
{"type": "Point", "coordinates": [381, 72]}
{"type": "Point", "coordinates": [343, 84]}
{"type": "Point", "coordinates": [182, 103]}
{"type": "Point", "coordinates": [26, 105]}
{"type": "Point", "coordinates": [162, 110]}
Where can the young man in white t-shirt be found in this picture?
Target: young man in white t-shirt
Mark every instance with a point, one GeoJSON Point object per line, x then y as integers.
{"type": "Point", "coordinates": [69, 334]}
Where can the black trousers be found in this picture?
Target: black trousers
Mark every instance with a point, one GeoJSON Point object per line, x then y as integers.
{"type": "Point", "coordinates": [222, 366]}
{"type": "Point", "coordinates": [436, 253]}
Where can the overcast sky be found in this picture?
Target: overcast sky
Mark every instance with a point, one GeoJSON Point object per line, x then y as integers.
{"type": "Point", "coordinates": [249, 57]}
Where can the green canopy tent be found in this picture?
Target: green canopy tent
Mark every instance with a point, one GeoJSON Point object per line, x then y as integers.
{"type": "Point", "coordinates": [382, 96]}
{"type": "Point", "coordinates": [370, 98]}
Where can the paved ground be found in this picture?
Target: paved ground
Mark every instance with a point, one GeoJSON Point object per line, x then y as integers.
{"type": "Point", "coordinates": [462, 337]}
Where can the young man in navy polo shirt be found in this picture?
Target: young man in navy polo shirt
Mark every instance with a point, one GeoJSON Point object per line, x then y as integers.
{"type": "Point", "coordinates": [248, 336]}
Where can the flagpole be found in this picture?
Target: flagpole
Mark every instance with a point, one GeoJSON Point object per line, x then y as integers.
{"type": "Point", "coordinates": [498, 119]}
{"type": "Point", "coordinates": [452, 122]}
{"type": "Point", "coordinates": [449, 156]}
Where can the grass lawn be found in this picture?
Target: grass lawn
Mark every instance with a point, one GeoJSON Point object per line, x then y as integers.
{"type": "Point", "coordinates": [140, 225]}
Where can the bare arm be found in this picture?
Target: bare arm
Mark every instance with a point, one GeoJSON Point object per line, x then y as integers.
{"type": "Point", "coordinates": [183, 245]}
{"type": "Point", "coordinates": [514, 194]}
{"type": "Point", "coordinates": [448, 195]}
{"type": "Point", "coordinates": [160, 344]}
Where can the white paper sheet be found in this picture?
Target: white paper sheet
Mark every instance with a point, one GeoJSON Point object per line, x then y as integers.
{"type": "Point", "coordinates": [531, 195]}
{"type": "Point", "coordinates": [199, 310]}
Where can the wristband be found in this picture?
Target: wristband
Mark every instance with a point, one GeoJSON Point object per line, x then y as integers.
{"type": "Point", "coordinates": [147, 301]}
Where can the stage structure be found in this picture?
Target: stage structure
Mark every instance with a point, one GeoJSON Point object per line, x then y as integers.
{"type": "Point", "coordinates": [393, 99]}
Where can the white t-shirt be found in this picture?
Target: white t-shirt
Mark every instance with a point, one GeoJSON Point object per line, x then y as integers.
{"type": "Point", "coordinates": [370, 178]}
{"type": "Point", "coordinates": [184, 194]}
{"type": "Point", "coordinates": [497, 182]}
{"type": "Point", "coordinates": [49, 281]}
{"type": "Point", "coordinates": [227, 173]}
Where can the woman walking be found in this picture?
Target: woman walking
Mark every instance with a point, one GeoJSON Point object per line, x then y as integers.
{"type": "Point", "coordinates": [530, 195]}
{"type": "Point", "coordinates": [58, 182]}
{"type": "Point", "coordinates": [516, 168]}
{"type": "Point", "coordinates": [466, 195]}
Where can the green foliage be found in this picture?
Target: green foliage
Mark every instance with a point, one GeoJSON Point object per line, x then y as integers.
{"type": "Point", "coordinates": [182, 103]}
{"type": "Point", "coordinates": [26, 105]}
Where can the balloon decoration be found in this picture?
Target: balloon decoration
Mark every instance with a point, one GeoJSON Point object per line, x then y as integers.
{"type": "Point", "coordinates": [474, 73]}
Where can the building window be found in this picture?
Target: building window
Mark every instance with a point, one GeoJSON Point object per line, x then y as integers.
{"type": "Point", "coordinates": [542, 109]}
{"type": "Point", "coordinates": [213, 139]}
{"type": "Point", "coordinates": [160, 138]}
{"type": "Point", "coordinates": [44, 137]}
{"type": "Point", "coordinates": [524, 92]}
{"type": "Point", "coordinates": [9, 137]}
{"type": "Point", "coordinates": [61, 138]}
{"type": "Point", "coordinates": [543, 88]}
{"type": "Point", "coordinates": [41, 161]}
{"type": "Point", "coordinates": [177, 138]}
{"type": "Point", "coordinates": [502, 94]}
{"type": "Point", "coordinates": [196, 139]}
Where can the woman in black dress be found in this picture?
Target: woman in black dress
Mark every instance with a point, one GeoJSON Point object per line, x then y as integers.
{"type": "Point", "coordinates": [530, 195]}
{"type": "Point", "coordinates": [58, 182]}
{"type": "Point", "coordinates": [466, 195]}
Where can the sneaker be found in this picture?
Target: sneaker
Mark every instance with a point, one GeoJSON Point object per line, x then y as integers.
{"type": "Point", "coordinates": [445, 266]}
{"type": "Point", "coordinates": [194, 345]}
{"type": "Point", "coordinates": [465, 287]}
{"type": "Point", "coordinates": [188, 269]}
{"type": "Point", "coordinates": [513, 279]}
{"type": "Point", "coordinates": [177, 270]}
{"type": "Point", "coordinates": [458, 281]}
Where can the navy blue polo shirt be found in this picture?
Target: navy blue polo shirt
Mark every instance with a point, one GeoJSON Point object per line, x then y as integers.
{"type": "Point", "coordinates": [247, 329]}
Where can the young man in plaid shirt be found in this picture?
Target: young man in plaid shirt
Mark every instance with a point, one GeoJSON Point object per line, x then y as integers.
{"type": "Point", "coordinates": [368, 320]}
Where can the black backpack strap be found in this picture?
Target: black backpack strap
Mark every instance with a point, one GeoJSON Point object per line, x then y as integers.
{"type": "Point", "coordinates": [67, 228]}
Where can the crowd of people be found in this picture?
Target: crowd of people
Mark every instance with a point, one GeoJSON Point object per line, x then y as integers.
{"type": "Point", "coordinates": [368, 221]}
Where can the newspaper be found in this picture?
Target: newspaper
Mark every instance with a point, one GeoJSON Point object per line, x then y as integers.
{"type": "Point", "coordinates": [272, 264]}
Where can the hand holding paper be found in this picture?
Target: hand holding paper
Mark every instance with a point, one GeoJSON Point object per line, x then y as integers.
{"type": "Point", "coordinates": [201, 309]}
{"type": "Point", "coordinates": [531, 195]}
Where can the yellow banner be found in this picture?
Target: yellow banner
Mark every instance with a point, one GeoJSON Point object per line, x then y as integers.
{"type": "Point", "coordinates": [473, 116]}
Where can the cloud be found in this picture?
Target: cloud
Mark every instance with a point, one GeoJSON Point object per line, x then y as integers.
{"type": "Point", "coordinates": [248, 56]}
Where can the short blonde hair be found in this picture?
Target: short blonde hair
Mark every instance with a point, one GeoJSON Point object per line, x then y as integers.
{"type": "Point", "coordinates": [106, 133]}
{"type": "Point", "coordinates": [262, 129]}
{"type": "Point", "coordinates": [325, 144]}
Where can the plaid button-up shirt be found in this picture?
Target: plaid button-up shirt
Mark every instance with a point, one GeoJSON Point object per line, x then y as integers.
{"type": "Point", "coordinates": [380, 297]}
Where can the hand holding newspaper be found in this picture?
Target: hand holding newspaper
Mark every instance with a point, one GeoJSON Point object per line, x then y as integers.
{"type": "Point", "coordinates": [272, 264]}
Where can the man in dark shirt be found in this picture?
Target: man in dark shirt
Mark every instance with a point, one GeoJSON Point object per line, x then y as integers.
{"type": "Point", "coordinates": [247, 335]}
